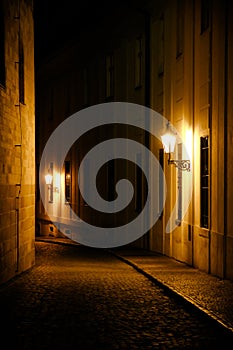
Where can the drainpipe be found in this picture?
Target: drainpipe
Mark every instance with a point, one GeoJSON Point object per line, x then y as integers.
{"type": "Point", "coordinates": [193, 124]}
{"type": "Point", "coordinates": [18, 185]}
{"type": "Point", "coordinates": [210, 131]}
{"type": "Point", "coordinates": [147, 91]}
{"type": "Point", "coordinates": [225, 140]}
{"type": "Point", "coordinates": [17, 228]}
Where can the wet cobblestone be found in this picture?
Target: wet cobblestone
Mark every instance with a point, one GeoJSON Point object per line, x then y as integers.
{"type": "Point", "coordinates": [82, 298]}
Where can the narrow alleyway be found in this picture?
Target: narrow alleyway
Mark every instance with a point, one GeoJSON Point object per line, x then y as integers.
{"type": "Point", "coordinates": [83, 298]}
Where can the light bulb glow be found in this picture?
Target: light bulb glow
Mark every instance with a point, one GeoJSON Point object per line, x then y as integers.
{"type": "Point", "coordinates": [48, 179]}
{"type": "Point", "coordinates": [169, 142]}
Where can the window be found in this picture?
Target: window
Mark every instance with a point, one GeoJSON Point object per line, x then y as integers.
{"type": "Point", "coordinates": [2, 46]}
{"type": "Point", "coordinates": [85, 87]}
{"type": "Point", "coordinates": [205, 15]}
{"type": "Point", "coordinates": [138, 178]}
{"type": "Point", "coordinates": [21, 72]}
{"type": "Point", "coordinates": [84, 183]}
{"type": "Point", "coordinates": [67, 99]}
{"type": "Point", "coordinates": [204, 145]}
{"type": "Point", "coordinates": [179, 28]}
{"type": "Point", "coordinates": [51, 185]}
{"type": "Point", "coordinates": [138, 63]}
{"type": "Point", "coordinates": [109, 76]}
{"type": "Point", "coordinates": [37, 182]}
{"type": "Point", "coordinates": [51, 104]}
{"type": "Point", "coordinates": [161, 46]}
{"type": "Point", "coordinates": [161, 181]}
{"type": "Point", "coordinates": [111, 180]}
{"type": "Point", "coordinates": [67, 181]}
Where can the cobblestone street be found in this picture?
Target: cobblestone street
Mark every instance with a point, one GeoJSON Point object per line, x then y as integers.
{"type": "Point", "coordinates": [77, 297]}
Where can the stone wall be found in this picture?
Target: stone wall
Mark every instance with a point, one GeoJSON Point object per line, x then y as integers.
{"type": "Point", "coordinates": [17, 140]}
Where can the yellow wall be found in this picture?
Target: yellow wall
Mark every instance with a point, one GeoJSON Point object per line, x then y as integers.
{"type": "Point", "coordinates": [17, 146]}
{"type": "Point", "coordinates": [193, 91]}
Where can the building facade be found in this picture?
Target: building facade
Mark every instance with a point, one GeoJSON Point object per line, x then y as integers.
{"type": "Point", "coordinates": [176, 58]}
{"type": "Point", "coordinates": [17, 140]}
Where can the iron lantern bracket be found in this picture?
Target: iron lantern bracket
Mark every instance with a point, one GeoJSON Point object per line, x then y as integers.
{"type": "Point", "coordinates": [180, 164]}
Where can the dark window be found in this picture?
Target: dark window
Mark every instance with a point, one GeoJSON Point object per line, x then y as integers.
{"type": "Point", "coordinates": [109, 67]}
{"type": "Point", "coordinates": [204, 182]}
{"type": "Point", "coordinates": [67, 181]}
{"type": "Point", "coordinates": [2, 46]}
{"type": "Point", "coordinates": [85, 87]}
{"type": "Point", "coordinates": [180, 28]}
{"type": "Point", "coordinates": [138, 176]}
{"type": "Point", "coordinates": [111, 180]}
{"type": "Point", "coordinates": [138, 63]}
{"type": "Point", "coordinates": [161, 46]}
{"type": "Point", "coordinates": [84, 183]}
{"type": "Point", "coordinates": [21, 72]}
{"type": "Point", "coordinates": [37, 182]}
{"type": "Point", "coordinates": [51, 104]}
{"type": "Point", "coordinates": [205, 15]}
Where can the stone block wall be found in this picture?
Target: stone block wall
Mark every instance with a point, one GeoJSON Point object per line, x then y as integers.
{"type": "Point", "coordinates": [17, 139]}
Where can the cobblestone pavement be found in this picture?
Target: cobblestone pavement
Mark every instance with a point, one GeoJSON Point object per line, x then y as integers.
{"type": "Point", "coordinates": [77, 297]}
{"type": "Point", "coordinates": [209, 293]}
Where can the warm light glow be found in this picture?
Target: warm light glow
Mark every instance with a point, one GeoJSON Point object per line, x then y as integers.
{"type": "Point", "coordinates": [48, 179]}
{"type": "Point", "coordinates": [168, 141]}
{"type": "Point", "coordinates": [188, 142]}
{"type": "Point", "coordinates": [56, 181]}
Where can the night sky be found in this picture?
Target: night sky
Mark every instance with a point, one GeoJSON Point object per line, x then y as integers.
{"type": "Point", "coordinates": [58, 22]}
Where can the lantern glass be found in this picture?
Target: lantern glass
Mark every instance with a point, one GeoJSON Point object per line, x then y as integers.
{"type": "Point", "coordinates": [169, 142]}
{"type": "Point", "coordinates": [48, 179]}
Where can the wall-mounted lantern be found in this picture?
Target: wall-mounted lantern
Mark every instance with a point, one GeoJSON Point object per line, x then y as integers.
{"type": "Point", "coordinates": [169, 142]}
{"type": "Point", "coordinates": [48, 179]}
{"type": "Point", "coordinates": [49, 182]}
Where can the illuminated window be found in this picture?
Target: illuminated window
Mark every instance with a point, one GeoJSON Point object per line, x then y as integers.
{"type": "Point", "coordinates": [67, 181]}
{"type": "Point", "coordinates": [109, 76]}
{"type": "Point", "coordinates": [138, 63]}
{"type": "Point", "coordinates": [51, 185]}
{"type": "Point", "coordinates": [2, 46]}
{"type": "Point", "coordinates": [204, 182]}
{"type": "Point", "coordinates": [180, 28]}
{"type": "Point", "coordinates": [161, 181]}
